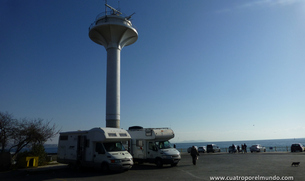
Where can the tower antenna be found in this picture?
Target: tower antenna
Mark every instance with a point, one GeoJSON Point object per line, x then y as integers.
{"type": "Point", "coordinates": [105, 7]}
{"type": "Point", "coordinates": [128, 17]}
{"type": "Point", "coordinates": [115, 11]}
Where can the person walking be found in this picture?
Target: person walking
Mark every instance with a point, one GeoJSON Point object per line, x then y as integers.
{"type": "Point", "coordinates": [194, 154]}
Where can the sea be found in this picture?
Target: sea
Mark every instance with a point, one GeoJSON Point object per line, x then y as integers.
{"type": "Point", "coordinates": [274, 145]}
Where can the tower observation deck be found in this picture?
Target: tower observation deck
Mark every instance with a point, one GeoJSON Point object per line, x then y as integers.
{"type": "Point", "coordinates": [113, 31]}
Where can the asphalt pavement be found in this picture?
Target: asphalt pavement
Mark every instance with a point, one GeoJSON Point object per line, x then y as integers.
{"type": "Point", "coordinates": [251, 166]}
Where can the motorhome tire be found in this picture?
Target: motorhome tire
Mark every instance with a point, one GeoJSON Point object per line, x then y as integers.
{"type": "Point", "coordinates": [78, 167]}
{"type": "Point", "coordinates": [105, 168]}
{"type": "Point", "coordinates": [159, 162]}
{"type": "Point", "coordinates": [70, 166]}
{"type": "Point", "coordinates": [174, 164]}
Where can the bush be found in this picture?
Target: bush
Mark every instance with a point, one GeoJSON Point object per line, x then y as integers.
{"type": "Point", "coordinates": [5, 161]}
{"type": "Point", "coordinates": [38, 150]}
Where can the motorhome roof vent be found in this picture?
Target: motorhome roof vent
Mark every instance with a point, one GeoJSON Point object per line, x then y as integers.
{"type": "Point", "coordinates": [135, 127]}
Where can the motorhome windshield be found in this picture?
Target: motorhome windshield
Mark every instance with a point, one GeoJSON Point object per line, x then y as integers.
{"type": "Point", "coordinates": [114, 146]}
{"type": "Point", "coordinates": [163, 144]}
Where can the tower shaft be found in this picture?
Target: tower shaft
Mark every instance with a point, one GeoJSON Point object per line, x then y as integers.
{"type": "Point", "coordinates": [113, 88]}
{"type": "Point", "coordinates": [113, 32]}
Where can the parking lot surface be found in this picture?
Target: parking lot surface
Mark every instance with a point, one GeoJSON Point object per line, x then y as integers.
{"type": "Point", "coordinates": [209, 166]}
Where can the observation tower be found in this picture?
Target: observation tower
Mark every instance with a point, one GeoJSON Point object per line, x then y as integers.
{"type": "Point", "coordinates": [113, 31]}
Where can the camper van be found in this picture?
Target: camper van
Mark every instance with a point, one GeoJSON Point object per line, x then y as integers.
{"type": "Point", "coordinates": [152, 145]}
{"type": "Point", "coordinates": [98, 147]}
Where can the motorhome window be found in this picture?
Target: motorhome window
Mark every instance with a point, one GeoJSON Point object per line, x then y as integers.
{"type": "Point", "coordinates": [148, 132]}
{"type": "Point", "coordinates": [99, 148]}
{"type": "Point", "coordinates": [163, 144]}
{"type": "Point", "coordinates": [123, 134]}
{"type": "Point", "coordinates": [63, 137]}
{"type": "Point", "coordinates": [112, 134]}
{"type": "Point", "coordinates": [139, 143]}
{"type": "Point", "coordinates": [114, 146]}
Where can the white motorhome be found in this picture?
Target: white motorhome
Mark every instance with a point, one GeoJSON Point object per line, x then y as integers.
{"type": "Point", "coordinates": [97, 147]}
{"type": "Point", "coordinates": [152, 145]}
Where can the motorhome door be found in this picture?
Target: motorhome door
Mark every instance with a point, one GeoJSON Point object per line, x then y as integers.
{"type": "Point", "coordinates": [99, 154]}
{"type": "Point", "coordinates": [152, 150]}
{"type": "Point", "coordinates": [81, 148]}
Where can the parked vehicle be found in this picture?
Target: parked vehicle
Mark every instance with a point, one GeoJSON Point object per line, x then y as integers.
{"type": "Point", "coordinates": [98, 147]}
{"type": "Point", "coordinates": [257, 148]}
{"type": "Point", "coordinates": [202, 149]}
{"type": "Point", "coordinates": [152, 145]}
{"type": "Point", "coordinates": [212, 148]}
{"type": "Point", "coordinates": [297, 147]}
{"type": "Point", "coordinates": [233, 149]}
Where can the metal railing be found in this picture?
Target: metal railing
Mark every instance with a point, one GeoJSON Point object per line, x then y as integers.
{"type": "Point", "coordinates": [104, 14]}
{"type": "Point", "coordinates": [108, 13]}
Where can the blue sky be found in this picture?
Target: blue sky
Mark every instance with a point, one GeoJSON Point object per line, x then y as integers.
{"type": "Point", "coordinates": [211, 70]}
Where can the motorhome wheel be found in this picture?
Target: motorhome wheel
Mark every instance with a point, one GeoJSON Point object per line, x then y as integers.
{"type": "Point", "coordinates": [159, 162]}
{"type": "Point", "coordinates": [174, 164]}
{"type": "Point", "coordinates": [105, 167]}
